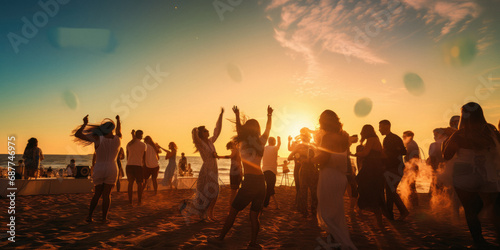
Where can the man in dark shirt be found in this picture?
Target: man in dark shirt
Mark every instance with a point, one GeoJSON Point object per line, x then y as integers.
{"type": "Point", "coordinates": [394, 149]}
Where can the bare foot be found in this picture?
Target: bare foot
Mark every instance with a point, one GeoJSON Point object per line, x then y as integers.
{"type": "Point", "coordinates": [403, 216]}
{"type": "Point", "coordinates": [89, 219]}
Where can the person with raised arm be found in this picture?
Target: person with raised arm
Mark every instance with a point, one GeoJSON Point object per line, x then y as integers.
{"type": "Point", "coordinates": [253, 187]}
{"type": "Point", "coordinates": [105, 171]}
{"type": "Point", "coordinates": [207, 187]}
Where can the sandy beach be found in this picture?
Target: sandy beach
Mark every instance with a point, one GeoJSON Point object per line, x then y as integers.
{"type": "Point", "coordinates": [57, 221]}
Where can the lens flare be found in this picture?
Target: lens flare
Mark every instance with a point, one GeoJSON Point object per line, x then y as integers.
{"type": "Point", "coordinates": [363, 107]}
{"type": "Point", "coordinates": [234, 72]}
{"type": "Point", "coordinates": [71, 99]}
{"type": "Point", "coordinates": [414, 84]}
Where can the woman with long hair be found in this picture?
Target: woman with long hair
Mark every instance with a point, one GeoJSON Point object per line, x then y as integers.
{"type": "Point", "coordinates": [371, 176]}
{"type": "Point", "coordinates": [172, 165]}
{"type": "Point", "coordinates": [207, 187]}
{"type": "Point", "coordinates": [253, 187]}
{"type": "Point", "coordinates": [331, 156]}
{"type": "Point", "coordinates": [475, 176]}
{"type": "Point", "coordinates": [105, 171]}
{"type": "Point", "coordinates": [32, 157]}
{"type": "Point", "coordinates": [152, 167]}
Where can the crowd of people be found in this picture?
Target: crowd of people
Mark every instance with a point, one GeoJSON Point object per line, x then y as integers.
{"type": "Point", "coordinates": [323, 170]}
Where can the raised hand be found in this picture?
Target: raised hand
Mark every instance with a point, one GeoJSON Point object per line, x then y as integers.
{"type": "Point", "coordinates": [86, 119]}
{"type": "Point", "coordinates": [117, 117]}
{"type": "Point", "coordinates": [222, 110]}
{"type": "Point", "coordinates": [236, 110]}
{"type": "Point", "coordinates": [290, 138]}
{"type": "Point", "coordinates": [269, 110]}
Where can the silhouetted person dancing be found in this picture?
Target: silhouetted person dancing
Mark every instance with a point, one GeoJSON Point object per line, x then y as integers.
{"type": "Point", "coordinates": [475, 175]}
{"type": "Point", "coordinates": [136, 159]}
{"type": "Point", "coordinates": [370, 178]}
{"type": "Point", "coordinates": [253, 188]}
{"type": "Point", "coordinates": [236, 171]}
{"type": "Point", "coordinates": [394, 149]}
{"type": "Point", "coordinates": [270, 169]}
{"type": "Point", "coordinates": [308, 174]}
{"type": "Point", "coordinates": [332, 159]}
{"type": "Point", "coordinates": [105, 170]}
{"type": "Point", "coordinates": [151, 168]}
{"type": "Point", "coordinates": [207, 187]}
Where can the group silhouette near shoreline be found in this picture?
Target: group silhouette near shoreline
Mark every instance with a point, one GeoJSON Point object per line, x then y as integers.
{"type": "Point", "coordinates": [323, 170]}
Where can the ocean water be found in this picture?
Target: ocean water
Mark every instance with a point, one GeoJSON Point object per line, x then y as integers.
{"type": "Point", "coordinates": [61, 161]}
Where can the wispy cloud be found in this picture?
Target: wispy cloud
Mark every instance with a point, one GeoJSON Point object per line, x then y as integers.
{"type": "Point", "coordinates": [312, 27]}
{"type": "Point", "coordinates": [448, 14]}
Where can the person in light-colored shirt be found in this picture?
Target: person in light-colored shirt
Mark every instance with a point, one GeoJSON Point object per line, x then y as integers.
{"type": "Point", "coordinates": [136, 157]}
{"type": "Point", "coordinates": [270, 169]}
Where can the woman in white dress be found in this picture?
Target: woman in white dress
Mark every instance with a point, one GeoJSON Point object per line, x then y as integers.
{"type": "Point", "coordinates": [207, 187]}
{"type": "Point", "coordinates": [332, 159]}
{"type": "Point", "coordinates": [172, 165]}
{"type": "Point", "coordinates": [105, 170]}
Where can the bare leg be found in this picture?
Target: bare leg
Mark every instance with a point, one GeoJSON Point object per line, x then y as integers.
{"type": "Point", "coordinates": [106, 200]}
{"type": "Point", "coordinates": [130, 190]}
{"type": "Point", "coordinates": [254, 219]}
{"type": "Point", "coordinates": [98, 189]}
{"type": "Point", "coordinates": [229, 223]}
{"type": "Point", "coordinates": [155, 185]}
{"type": "Point", "coordinates": [378, 217]}
{"type": "Point", "coordinates": [139, 192]}
{"type": "Point", "coordinates": [118, 185]}
{"type": "Point", "coordinates": [472, 206]}
{"type": "Point", "coordinates": [233, 194]}
{"type": "Point", "coordinates": [211, 209]}
{"type": "Point", "coordinates": [275, 201]}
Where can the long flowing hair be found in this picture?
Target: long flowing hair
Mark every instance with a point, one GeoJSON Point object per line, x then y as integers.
{"type": "Point", "coordinates": [32, 143]}
{"type": "Point", "coordinates": [474, 127]}
{"type": "Point", "coordinates": [106, 127]}
{"type": "Point", "coordinates": [149, 140]}
{"type": "Point", "coordinates": [329, 121]}
{"type": "Point", "coordinates": [367, 132]}
{"type": "Point", "coordinates": [249, 134]}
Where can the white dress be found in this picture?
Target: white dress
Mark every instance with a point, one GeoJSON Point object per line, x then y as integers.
{"type": "Point", "coordinates": [105, 168]}
{"type": "Point", "coordinates": [170, 170]}
{"type": "Point", "coordinates": [207, 186]}
{"type": "Point", "coordinates": [331, 188]}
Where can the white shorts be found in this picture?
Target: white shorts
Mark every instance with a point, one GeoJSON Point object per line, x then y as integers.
{"type": "Point", "coordinates": [105, 173]}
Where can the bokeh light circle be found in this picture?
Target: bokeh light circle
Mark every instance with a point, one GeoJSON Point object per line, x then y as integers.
{"type": "Point", "coordinates": [363, 107]}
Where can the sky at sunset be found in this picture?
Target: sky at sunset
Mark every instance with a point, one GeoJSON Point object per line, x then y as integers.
{"type": "Point", "coordinates": [168, 66]}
